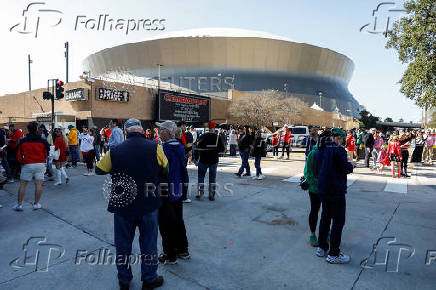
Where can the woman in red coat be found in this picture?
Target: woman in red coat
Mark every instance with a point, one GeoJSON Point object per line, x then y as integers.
{"type": "Point", "coordinates": [61, 145]}
{"type": "Point", "coordinates": [394, 153]}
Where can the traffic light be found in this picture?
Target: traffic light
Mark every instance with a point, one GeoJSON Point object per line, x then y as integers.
{"type": "Point", "coordinates": [59, 90]}
{"type": "Point", "coordinates": [47, 95]}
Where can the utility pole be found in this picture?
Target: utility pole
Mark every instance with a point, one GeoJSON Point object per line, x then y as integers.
{"type": "Point", "coordinates": [66, 60]}
{"type": "Point", "coordinates": [29, 61]}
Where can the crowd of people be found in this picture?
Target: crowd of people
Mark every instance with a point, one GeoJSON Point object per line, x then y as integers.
{"type": "Point", "coordinates": [152, 158]}
{"type": "Point", "coordinates": [391, 149]}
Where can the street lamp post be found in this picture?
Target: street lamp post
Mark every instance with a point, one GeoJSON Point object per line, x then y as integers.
{"type": "Point", "coordinates": [66, 60]}
{"type": "Point", "coordinates": [29, 61]}
{"type": "Point", "coordinates": [320, 98]}
{"type": "Point", "coordinates": [158, 77]}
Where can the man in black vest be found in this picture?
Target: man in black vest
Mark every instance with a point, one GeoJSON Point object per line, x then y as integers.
{"type": "Point", "coordinates": [136, 165]}
{"type": "Point", "coordinates": [209, 145]}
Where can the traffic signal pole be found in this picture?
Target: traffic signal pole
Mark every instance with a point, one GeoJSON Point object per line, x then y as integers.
{"type": "Point", "coordinates": [52, 104]}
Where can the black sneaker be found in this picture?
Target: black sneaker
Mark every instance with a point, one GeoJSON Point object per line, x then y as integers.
{"type": "Point", "coordinates": [211, 197]}
{"type": "Point", "coordinates": [246, 174]}
{"type": "Point", "coordinates": [199, 195]}
{"type": "Point", "coordinates": [184, 255]}
{"type": "Point", "coordinates": [157, 283]}
{"type": "Point", "coordinates": [238, 175]}
{"type": "Point", "coordinates": [124, 286]}
{"type": "Point", "coordinates": [165, 260]}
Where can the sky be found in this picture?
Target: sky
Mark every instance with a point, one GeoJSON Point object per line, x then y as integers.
{"type": "Point", "coordinates": [334, 24]}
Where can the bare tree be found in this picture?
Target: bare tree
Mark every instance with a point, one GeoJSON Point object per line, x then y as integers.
{"type": "Point", "coordinates": [267, 107]}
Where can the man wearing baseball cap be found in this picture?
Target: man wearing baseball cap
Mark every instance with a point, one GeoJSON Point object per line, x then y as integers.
{"type": "Point", "coordinates": [140, 162]}
{"type": "Point", "coordinates": [333, 167]}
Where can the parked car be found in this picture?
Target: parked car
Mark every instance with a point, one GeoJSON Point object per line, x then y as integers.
{"type": "Point", "coordinates": [299, 137]}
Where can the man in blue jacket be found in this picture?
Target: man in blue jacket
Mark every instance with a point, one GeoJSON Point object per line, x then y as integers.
{"type": "Point", "coordinates": [137, 167]}
{"type": "Point", "coordinates": [171, 223]}
{"type": "Point", "coordinates": [332, 169]}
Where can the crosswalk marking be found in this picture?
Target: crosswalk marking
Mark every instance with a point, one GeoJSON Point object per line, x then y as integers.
{"type": "Point", "coordinates": [396, 185]}
{"type": "Point", "coordinates": [294, 179]}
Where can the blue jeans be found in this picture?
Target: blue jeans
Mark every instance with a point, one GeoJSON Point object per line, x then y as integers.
{"type": "Point", "coordinates": [97, 152]}
{"type": "Point", "coordinates": [202, 168]}
{"type": "Point", "coordinates": [233, 149]}
{"type": "Point", "coordinates": [124, 234]}
{"type": "Point", "coordinates": [245, 165]}
{"type": "Point", "coordinates": [5, 164]}
{"type": "Point", "coordinates": [74, 153]}
{"type": "Point", "coordinates": [49, 169]}
{"type": "Point", "coordinates": [257, 165]}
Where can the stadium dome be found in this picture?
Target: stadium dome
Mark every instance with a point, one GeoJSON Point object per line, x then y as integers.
{"type": "Point", "coordinates": [213, 60]}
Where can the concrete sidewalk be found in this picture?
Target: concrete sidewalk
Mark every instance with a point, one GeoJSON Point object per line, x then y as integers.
{"type": "Point", "coordinates": [253, 238]}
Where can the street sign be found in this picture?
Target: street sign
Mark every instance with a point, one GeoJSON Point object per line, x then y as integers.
{"type": "Point", "coordinates": [183, 107]}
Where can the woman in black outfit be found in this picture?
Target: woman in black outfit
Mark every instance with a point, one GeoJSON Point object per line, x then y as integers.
{"type": "Point", "coordinates": [419, 147]}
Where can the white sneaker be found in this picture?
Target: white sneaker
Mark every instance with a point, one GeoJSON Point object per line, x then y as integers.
{"type": "Point", "coordinates": [341, 259]}
{"type": "Point", "coordinates": [11, 180]}
{"type": "Point", "coordinates": [320, 252]}
{"type": "Point", "coordinates": [254, 177]}
{"type": "Point", "coordinates": [260, 177]}
{"type": "Point", "coordinates": [58, 183]}
{"type": "Point", "coordinates": [86, 173]}
{"type": "Point", "coordinates": [91, 173]}
{"type": "Point", "coordinates": [18, 207]}
{"type": "Point", "coordinates": [1, 206]}
{"type": "Point", "coordinates": [36, 206]}
{"type": "Point", "coordinates": [187, 200]}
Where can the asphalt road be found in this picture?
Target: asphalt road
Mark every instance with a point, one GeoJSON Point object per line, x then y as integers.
{"type": "Point", "coordinates": [254, 236]}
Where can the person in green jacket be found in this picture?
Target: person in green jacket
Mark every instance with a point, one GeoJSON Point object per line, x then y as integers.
{"type": "Point", "coordinates": [315, 201]}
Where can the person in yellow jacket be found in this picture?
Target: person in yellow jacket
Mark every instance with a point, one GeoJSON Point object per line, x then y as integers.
{"type": "Point", "coordinates": [73, 145]}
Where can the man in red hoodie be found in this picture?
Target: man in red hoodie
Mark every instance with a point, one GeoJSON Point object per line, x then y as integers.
{"type": "Point", "coordinates": [13, 137]}
{"type": "Point", "coordinates": [32, 151]}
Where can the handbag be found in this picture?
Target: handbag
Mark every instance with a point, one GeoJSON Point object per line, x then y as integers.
{"type": "Point", "coordinates": [304, 184]}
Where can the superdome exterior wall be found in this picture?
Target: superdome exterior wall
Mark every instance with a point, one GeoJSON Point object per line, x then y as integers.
{"type": "Point", "coordinates": [253, 64]}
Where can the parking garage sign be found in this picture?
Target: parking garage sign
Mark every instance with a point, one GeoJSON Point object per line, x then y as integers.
{"type": "Point", "coordinates": [183, 107]}
{"type": "Point", "coordinates": [113, 95]}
